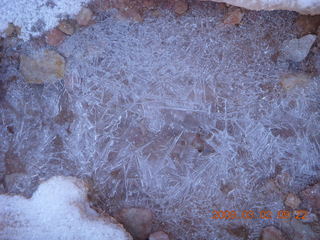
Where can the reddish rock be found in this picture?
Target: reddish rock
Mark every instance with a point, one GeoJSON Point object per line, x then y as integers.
{"type": "Point", "coordinates": [292, 201]}
{"type": "Point", "coordinates": [290, 81]}
{"type": "Point", "coordinates": [84, 16]}
{"type": "Point", "coordinates": [272, 233]}
{"type": "Point", "coordinates": [180, 7]}
{"type": "Point", "coordinates": [238, 231]}
{"type": "Point", "coordinates": [233, 16]}
{"type": "Point", "coordinates": [150, 4]}
{"type": "Point", "coordinates": [137, 221]}
{"type": "Point", "coordinates": [55, 37]}
{"type": "Point", "coordinates": [66, 27]}
{"type": "Point", "coordinates": [42, 67]}
{"type": "Point", "coordinates": [307, 24]}
{"type": "Point", "coordinates": [160, 235]}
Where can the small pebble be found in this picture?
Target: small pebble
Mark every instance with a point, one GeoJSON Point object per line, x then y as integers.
{"type": "Point", "coordinates": [66, 27]}
{"type": "Point", "coordinates": [233, 16]}
{"type": "Point", "coordinates": [137, 221]}
{"type": "Point", "coordinates": [272, 233]}
{"type": "Point", "coordinates": [84, 16]}
{"type": "Point", "coordinates": [290, 81]}
{"type": "Point", "coordinates": [292, 201]}
{"type": "Point", "coordinates": [160, 235]}
{"type": "Point", "coordinates": [180, 7]}
{"type": "Point", "coordinates": [55, 37]}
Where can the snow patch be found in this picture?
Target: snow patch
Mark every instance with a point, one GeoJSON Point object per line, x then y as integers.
{"type": "Point", "coordinates": [36, 16]}
{"type": "Point", "coordinates": [57, 210]}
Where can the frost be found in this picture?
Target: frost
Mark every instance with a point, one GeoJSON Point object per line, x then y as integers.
{"type": "Point", "coordinates": [178, 115]}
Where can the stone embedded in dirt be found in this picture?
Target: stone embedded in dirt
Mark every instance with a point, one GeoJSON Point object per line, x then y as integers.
{"type": "Point", "coordinates": [233, 16]}
{"type": "Point", "coordinates": [12, 30]}
{"type": "Point", "coordinates": [55, 37]}
{"type": "Point", "coordinates": [311, 198]}
{"type": "Point", "coordinates": [42, 67]}
{"type": "Point", "coordinates": [289, 81]}
{"type": "Point", "coordinates": [272, 233]}
{"type": "Point", "coordinates": [149, 4]}
{"type": "Point", "coordinates": [292, 201]}
{"type": "Point", "coordinates": [132, 13]}
{"type": "Point", "coordinates": [297, 49]}
{"type": "Point", "coordinates": [84, 16]}
{"type": "Point", "coordinates": [137, 221]}
{"type": "Point", "coordinates": [160, 235]}
{"type": "Point", "coordinates": [238, 231]}
{"type": "Point", "coordinates": [307, 24]}
{"type": "Point", "coordinates": [180, 6]}
{"type": "Point", "coordinates": [66, 27]}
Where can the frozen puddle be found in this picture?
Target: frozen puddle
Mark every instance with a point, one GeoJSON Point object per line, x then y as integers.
{"type": "Point", "coordinates": [181, 115]}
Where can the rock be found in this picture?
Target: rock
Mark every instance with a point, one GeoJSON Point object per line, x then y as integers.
{"type": "Point", "coordinates": [307, 24]}
{"type": "Point", "coordinates": [66, 27]}
{"type": "Point", "coordinates": [311, 198]}
{"type": "Point", "coordinates": [289, 81]}
{"type": "Point", "coordinates": [55, 37]}
{"type": "Point", "coordinates": [160, 235]}
{"type": "Point", "coordinates": [233, 16]}
{"type": "Point", "coordinates": [42, 67]}
{"type": "Point", "coordinates": [84, 16]}
{"type": "Point", "coordinates": [180, 7]}
{"type": "Point", "coordinates": [292, 201]}
{"type": "Point", "coordinates": [58, 209]}
{"type": "Point", "coordinates": [238, 231]}
{"type": "Point", "coordinates": [297, 49]}
{"type": "Point", "coordinates": [272, 233]}
{"type": "Point", "coordinates": [149, 4]}
{"type": "Point", "coordinates": [137, 221]}
{"type": "Point", "coordinates": [12, 30]}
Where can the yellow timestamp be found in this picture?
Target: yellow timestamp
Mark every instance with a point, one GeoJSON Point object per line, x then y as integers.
{"type": "Point", "coordinates": [263, 214]}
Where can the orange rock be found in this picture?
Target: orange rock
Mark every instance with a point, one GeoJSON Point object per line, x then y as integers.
{"type": "Point", "coordinates": [180, 6]}
{"type": "Point", "coordinates": [84, 16]}
{"type": "Point", "coordinates": [55, 37]}
{"type": "Point", "coordinates": [233, 16]}
{"type": "Point", "coordinates": [66, 27]}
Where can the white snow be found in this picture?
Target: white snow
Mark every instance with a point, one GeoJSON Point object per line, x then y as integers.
{"type": "Point", "coordinates": [57, 210]}
{"type": "Point", "coordinates": [36, 16]}
{"type": "Point", "coordinates": [302, 6]}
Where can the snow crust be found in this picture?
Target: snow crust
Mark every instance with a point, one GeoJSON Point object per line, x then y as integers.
{"type": "Point", "coordinates": [302, 6]}
{"type": "Point", "coordinates": [57, 210]}
{"type": "Point", "coordinates": [36, 16]}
